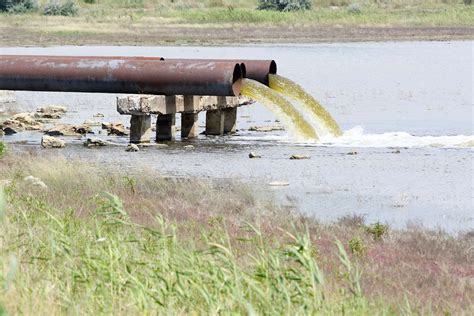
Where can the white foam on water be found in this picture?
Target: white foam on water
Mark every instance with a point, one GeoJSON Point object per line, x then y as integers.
{"type": "Point", "coordinates": [356, 137]}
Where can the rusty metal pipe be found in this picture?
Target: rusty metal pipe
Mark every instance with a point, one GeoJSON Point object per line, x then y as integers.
{"type": "Point", "coordinates": [255, 69]}
{"type": "Point", "coordinates": [120, 75]}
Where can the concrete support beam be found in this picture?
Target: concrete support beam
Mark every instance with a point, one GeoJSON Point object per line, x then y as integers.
{"type": "Point", "coordinates": [166, 123]}
{"type": "Point", "coordinates": [157, 104]}
{"type": "Point", "coordinates": [140, 129]}
{"type": "Point", "coordinates": [230, 120]}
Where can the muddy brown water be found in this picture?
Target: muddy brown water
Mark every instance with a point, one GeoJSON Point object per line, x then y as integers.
{"type": "Point", "coordinates": [405, 107]}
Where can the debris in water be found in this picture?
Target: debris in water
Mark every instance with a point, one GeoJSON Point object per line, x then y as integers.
{"type": "Point", "coordinates": [279, 184]}
{"type": "Point", "coordinates": [254, 155]}
{"type": "Point", "coordinates": [298, 157]}
{"type": "Point", "coordinates": [95, 142]}
{"type": "Point", "coordinates": [132, 148]}
{"type": "Point", "coordinates": [266, 128]}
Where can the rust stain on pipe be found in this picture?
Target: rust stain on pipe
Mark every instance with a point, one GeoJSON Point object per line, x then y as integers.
{"type": "Point", "coordinates": [120, 75]}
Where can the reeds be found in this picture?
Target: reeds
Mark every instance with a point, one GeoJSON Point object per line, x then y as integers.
{"type": "Point", "coordinates": [97, 242]}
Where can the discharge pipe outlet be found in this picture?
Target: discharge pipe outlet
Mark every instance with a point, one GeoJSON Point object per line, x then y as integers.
{"type": "Point", "coordinates": [140, 75]}
{"type": "Point", "coordinates": [255, 69]}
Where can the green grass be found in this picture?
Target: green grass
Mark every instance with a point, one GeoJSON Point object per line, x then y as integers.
{"type": "Point", "coordinates": [398, 13]}
{"type": "Point", "coordinates": [444, 15]}
{"type": "Point", "coordinates": [170, 246]}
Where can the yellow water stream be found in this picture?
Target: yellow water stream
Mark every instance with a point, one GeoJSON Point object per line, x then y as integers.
{"type": "Point", "coordinates": [289, 88]}
{"type": "Point", "coordinates": [282, 108]}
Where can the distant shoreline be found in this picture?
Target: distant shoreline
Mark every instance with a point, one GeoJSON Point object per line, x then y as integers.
{"type": "Point", "coordinates": [211, 35]}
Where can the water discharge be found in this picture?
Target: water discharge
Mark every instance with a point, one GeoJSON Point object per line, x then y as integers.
{"type": "Point", "coordinates": [282, 108]}
{"type": "Point", "coordinates": [289, 88]}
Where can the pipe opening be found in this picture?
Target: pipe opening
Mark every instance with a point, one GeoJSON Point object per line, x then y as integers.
{"type": "Point", "coordinates": [237, 76]}
{"type": "Point", "coordinates": [244, 70]}
{"type": "Point", "coordinates": [273, 68]}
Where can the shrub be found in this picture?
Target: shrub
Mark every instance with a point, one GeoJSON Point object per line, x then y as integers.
{"type": "Point", "coordinates": [357, 246]}
{"type": "Point", "coordinates": [54, 7]}
{"type": "Point", "coordinates": [285, 5]}
{"type": "Point", "coordinates": [377, 230]}
{"type": "Point", "coordinates": [18, 6]}
{"type": "Point", "coordinates": [90, 1]}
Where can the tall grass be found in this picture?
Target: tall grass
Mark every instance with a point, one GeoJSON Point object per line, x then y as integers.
{"type": "Point", "coordinates": [100, 241]}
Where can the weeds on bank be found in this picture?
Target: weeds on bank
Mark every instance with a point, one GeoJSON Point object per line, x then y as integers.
{"type": "Point", "coordinates": [3, 149]}
{"type": "Point", "coordinates": [102, 241]}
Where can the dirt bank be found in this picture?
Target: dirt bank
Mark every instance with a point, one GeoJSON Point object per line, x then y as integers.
{"type": "Point", "coordinates": [222, 34]}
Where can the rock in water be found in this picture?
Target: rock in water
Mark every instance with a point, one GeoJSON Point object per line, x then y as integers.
{"type": "Point", "coordinates": [52, 142]}
{"type": "Point", "coordinates": [297, 157]}
{"type": "Point", "coordinates": [254, 155]}
{"type": "Point", "coordinates": [69, 130]}
{"type": "Point", "coordinates": [11, 127]}
{"type": "Point", "coordinates": [117, 129]}
{"type": "Point", "coordinates": [52, 109]}
{"type": "Point", "coordinates": [92, 123]}
{"type": "Point", "coordinates": [132, 148]}
{"type": "Point", "coordinates": [95, 142]}
{"type": "Point", "coordinates": [28, 120]}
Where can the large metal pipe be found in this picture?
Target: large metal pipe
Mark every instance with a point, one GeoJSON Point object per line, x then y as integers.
{"type": "Point", "coordinates": [120, 75]}
{"type": "Point", "coordinates": [255, 69]}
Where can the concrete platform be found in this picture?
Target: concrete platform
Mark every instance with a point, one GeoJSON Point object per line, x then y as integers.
{"type": "Point", "coordinates": [221, 115]}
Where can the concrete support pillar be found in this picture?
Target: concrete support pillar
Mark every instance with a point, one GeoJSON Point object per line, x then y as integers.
{"type": "Point", "coordinates": [166, 123]}
{"type": "Point", "coordinates": [165, 127]}
{"type": "Point", "coordinates": [189, 119]}
{"type": "Point", "coordinates": [215, 119]}
{"type": "Point", "coordinates": [215, 122]}
{"type": "Point", "coordinates": [230, 120]}
{"type": "Point", "coordinates": [140, 129]}
{"type": "Point", "coordinates": [189, 125]}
